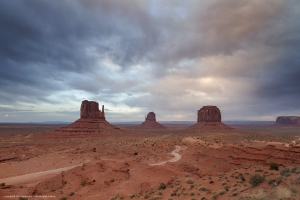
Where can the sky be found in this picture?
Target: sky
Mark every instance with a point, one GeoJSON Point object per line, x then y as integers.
{"type": "Point", "coordinates": [170, 57]}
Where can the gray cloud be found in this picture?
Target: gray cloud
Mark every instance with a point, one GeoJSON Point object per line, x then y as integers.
{"type": "Point", "coordinates": [150, 55]}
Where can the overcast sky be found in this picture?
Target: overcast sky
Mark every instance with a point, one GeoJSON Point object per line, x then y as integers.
{"type": "Point", "coordinates": [170, 57]}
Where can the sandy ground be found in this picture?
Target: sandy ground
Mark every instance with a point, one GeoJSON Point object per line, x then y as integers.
{"type": "Point", "coordinates": [143, 164]}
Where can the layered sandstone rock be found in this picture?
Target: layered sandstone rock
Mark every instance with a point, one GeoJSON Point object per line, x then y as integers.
{"type": "Point", "coordinates": [150, 117]}
{"type": "Point", "coordinates": [150, 122]}
{"type": "Point", "coordinates": [91, 122]}
{"type": "Point", "coordinates": [209, 114]}
{"type": "Point", "coordinates": [90, 109]}
{"type": "Point", "coordinates": [209, 119]}
{"type": "Point", "coordinates": [288, 121]}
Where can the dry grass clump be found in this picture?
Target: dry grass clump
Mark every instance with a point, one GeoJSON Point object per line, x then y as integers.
{"type": "Point", "coordinates": [255, 195]}
{"type": "Point", "coordinates": [283, 193]}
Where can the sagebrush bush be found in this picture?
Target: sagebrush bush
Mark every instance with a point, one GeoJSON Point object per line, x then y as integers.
{"type": "Point", "coordinates": [256, 179]}
{"type": "Point", "coordinates": [274, 166]}
{"type": "Point", "coordinates": [285, 172]}
{"type": "Point", "coordinates": [162, 186]}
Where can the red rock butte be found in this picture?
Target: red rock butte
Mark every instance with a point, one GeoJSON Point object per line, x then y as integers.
{"type": "Point", "coordinates": [150, 122]}
{"type": "Point", "coordinates": [209, 118]}
{"type": "Point", "coordinates": [91, 122]}
{"type": "Point", "coordinates": [287, 121]}
{"type": "Point", "coordinates": [90, 109]}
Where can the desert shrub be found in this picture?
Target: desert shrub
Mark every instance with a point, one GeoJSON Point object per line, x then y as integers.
{"type": "Point", "coordinates": [226, 188]}
{"type": "Point", "coordinates": [23, 198]}
{"type": "Point", "coordinates": [63, 198]}
{"type": "Point", "coordinates": [293, 190]}
{"type": "Point", "coordinates": [174, 193]}
{"type": "Point", "coordinates": [131, 196]}
{"type": "Point", "coordinates": [83, 182]}
{"type": "Point", "coordinates": [297, 180]}
{"type": "Point", "coordinates": [274, 166]}
{"type": "Point", "coordinates": [2, 184]}
{"type": "Point", "coordinates": [256, 179]}
{"type": "Point", "coordinates": [189, 181]}
{"type": "Point", "coordinates": [211, 182]}
{"type": "Point", "coordinates": [214, 197]}
{"type": "Point", "coordinates": [242, 176]}
{"type": "Point", "coordinates": [202, 188]}
{"type": "Point", "coordinates": [71, 193]}
{"type": "Point", "coordinates": [162, 186]}
{"type": "Point", "coordinates": [285, 172]}
{"type": "Point", "coordinates": [221, 192]}
{"type": "Point", "coordinates": [112, 180]}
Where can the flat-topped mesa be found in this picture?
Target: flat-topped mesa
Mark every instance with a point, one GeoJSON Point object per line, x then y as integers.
{"type": "Point", "coordinates": [209, 114]}
{"type": "Point", "coordinates": [150, 117]}
{"type": "Point", "coordinates": [209, 119]}
{"type": "Point", "coordinates": [288, 121]}
{"type": "Point", "coordinates": [90, 109]}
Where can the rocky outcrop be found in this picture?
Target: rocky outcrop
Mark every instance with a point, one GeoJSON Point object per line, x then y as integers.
{"type": "Point", "coordinates": [288, 121]}
{"type": "Point", "coordinates": [150, 122]}
{"type": "Point", "coordinates": [90, 109]}
{"type": "Point", "coordinates": [91, 123]}
{"type": "Point", "coordinates": [209, 119]}
{"type": "Point", "coordinates": [150, 117]}
{"type": "Point", "coordinates": [209, 114]}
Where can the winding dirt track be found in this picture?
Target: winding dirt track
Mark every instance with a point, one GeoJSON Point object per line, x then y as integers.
{"type": "Point", "coordinates": [30, 178]}
{"type": "Point", "coordinates": [34, 177]}
{"type": "Point", "coordinates": [176, 155]}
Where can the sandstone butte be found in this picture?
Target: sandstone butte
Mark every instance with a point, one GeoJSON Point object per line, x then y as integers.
{"type": "Point", "coordinates": [92, 122]}
{"type": "Point", "coordinates": [209, 118]}
{"type": "Point", "coordinates": [287, 121]}
{"type": "Point", "coordinates": [150, 122]}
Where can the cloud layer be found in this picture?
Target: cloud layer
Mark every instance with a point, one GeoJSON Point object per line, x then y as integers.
{"type": "Point", "coordinates": [139, 56]}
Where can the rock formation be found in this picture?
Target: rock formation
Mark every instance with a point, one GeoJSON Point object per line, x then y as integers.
{"type": "Point", "coordinates": [209, 118]}
{"type": "Point", "coordinates": [288, 121]}
{"type": "Point", "coordinates": [209, 114]}
{"type": "Point", "coordinates": [91, 122]}
{"type": "Point", "coordinates": [150, 122]}
{"type": "Point", "coordinates": [90, 109]}
{"type": "Point", "coordinates": [150, 117]}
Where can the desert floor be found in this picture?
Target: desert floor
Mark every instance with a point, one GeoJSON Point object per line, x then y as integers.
{"type": "Point", "coordinates": [173, 163]}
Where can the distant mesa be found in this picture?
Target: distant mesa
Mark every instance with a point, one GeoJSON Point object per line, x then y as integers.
{"type": "Point", "coordinates": [91, 122]}
{"type": "Point", "coordinates": [287, 121]}
{"type": "Point", "coordinates": [209, 118]}
{"type": "Point", "coordinates": [150, 122]}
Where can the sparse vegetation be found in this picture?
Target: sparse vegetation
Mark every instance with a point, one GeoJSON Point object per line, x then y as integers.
{"type": "Point", "coordinates": [256, 179]}
{"type": "Point", "coordinates": [71, 193]}
{"type": "Point", "coordinates": [63, 198]}
{"type": "Point", "coordinates": [285, 172]}
{"type": "Point", "coordinates": [2, 184]}
{"type": "Point", "coordinates": [274, 166]}
{"type": "Point", "coordinates": [189, 181]}
{"type": "Point", "coordinates": [83, 182]}
{"type": "Point", "coordinates": [162, 186]}
{"type": "Point", "coordinates": [23, 198]}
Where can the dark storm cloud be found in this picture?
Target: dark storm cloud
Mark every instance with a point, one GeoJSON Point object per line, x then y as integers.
{"type": "Point", "coordinates": [42, 41]}
{"type": "Point", "coordinates": [166, 55]}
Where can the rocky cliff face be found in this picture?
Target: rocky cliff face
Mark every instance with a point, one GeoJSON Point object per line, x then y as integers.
{"type": "Point", "coordinates": [288, 121]}
{"type": "Point", "coordinates": [90, 109]}
{"type": "Point", "coordinates": [150, 117]}
{"type": "Point", "coordinates": [209, 114]}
